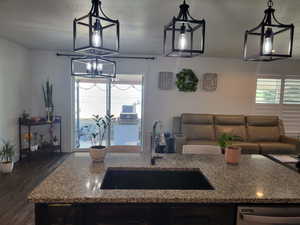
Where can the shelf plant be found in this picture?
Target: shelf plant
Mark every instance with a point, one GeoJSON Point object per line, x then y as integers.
{"type": "Point", "coordinates": [48, 99]}
{"type": "Point", "coordinates": [6, 156]}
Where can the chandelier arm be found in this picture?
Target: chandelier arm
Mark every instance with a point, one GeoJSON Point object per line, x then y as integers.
{"type": "Point", "coordinates": [259, 25]}
{"type": "Point", "coordinates": [192, 18]}
{"type": "Point", "coordinates": [275, 19]}
{"type": "Point", "coordinates": [179, 15]}
{"type": "Point", "coordinates": [105, 16]}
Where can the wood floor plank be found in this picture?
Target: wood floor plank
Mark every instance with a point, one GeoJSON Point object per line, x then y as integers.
{"type": "Point", "coordinates": [15, 209]}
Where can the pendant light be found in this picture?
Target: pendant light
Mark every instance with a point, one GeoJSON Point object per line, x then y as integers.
{"type": "Point", "coordinates": [270, 40]}
{"type": "Point", "coordinates": [184, 36]}
{"type": "Point", "coordinates": [93, 67]}
{"type": "Point", "coordinates": [89, 32]}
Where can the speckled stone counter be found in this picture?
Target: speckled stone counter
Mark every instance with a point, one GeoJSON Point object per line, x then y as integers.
{"type": "Point", "coordinates": [255, 180]}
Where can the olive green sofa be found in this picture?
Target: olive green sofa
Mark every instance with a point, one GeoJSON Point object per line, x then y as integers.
{"type": "Point", "coordinates": [255, 134]}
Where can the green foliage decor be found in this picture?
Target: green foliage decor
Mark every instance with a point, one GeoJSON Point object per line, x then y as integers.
{"type": "Point", "coordinates": [102, 123]}
{"type": "Point", "coordinates": [187, 81]}
{"type": "Point", "coordinates": [48, 94]}
{"type": "Point", "coordinates": [225, 140]}
{"type": "Point", "coordinates": [7, 151]}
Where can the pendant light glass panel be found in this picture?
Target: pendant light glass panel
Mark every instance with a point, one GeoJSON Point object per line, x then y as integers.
{"type": "Point", "coordinates": [270, 40]}
{"type": "Point", "coordinates": [184, 39]}
{"type": "Point", "coordinates": [93, 67]}
{"type": "Point", "coordinates": [95, 33]}
{"type": "Point", "coordinates": [184, 36]}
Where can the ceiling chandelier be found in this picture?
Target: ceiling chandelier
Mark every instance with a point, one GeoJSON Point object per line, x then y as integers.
{"type": "Point", "coordinates": [184, 36]}
{"type": "Point", "coordinates": [93, 67]}
{"type": "Point", "coordinates": [270, 40]}
{"type": "Point", "coordinates": [89, 33]}
{"type": "Point", "coordinates": [96, 24]}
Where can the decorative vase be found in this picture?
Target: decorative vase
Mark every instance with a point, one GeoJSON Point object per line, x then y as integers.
{"type": "Point", "coordinates": [233, 155]}
{"type": "Point", "coordinates": [50, 113]}
{"type": "Point", "coordinates": [6, 167]}
{"type": "Point", "coordinates": [97, 153]}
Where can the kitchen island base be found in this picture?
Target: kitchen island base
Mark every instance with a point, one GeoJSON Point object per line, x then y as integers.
{"type": "Point", "coordinates": [135, 214]}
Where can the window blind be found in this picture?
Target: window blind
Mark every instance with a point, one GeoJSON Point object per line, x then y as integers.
{"type": "Point", "coordinates": [268, 91]}
{"type": "Point", "coordinates": [280, 96]}
{"type": "Point", "coordinates": [291, 91]}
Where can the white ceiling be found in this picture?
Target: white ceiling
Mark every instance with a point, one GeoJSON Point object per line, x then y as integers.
{"type": "Point", "coordinates": [41, 24]}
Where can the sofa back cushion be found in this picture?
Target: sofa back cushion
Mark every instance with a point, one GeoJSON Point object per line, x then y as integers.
{"type": "Point", "coordinates": [231, 124]}
{"type": "Point", "coordinates": [263, 128]}
{"type": "Point", "coordinates": [198, 126]}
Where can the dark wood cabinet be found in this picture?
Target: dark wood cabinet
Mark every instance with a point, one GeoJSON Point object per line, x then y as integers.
{"type": "Point", "coordinates": [134, 214]}
{"type": "Point", "coordinates": [202, 215]}
{"type": "Point", "coordinates": [59, 214]}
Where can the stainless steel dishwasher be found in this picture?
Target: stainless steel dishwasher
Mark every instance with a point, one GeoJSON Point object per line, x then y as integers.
{"type": "Point", "coordinates": [268, 215]}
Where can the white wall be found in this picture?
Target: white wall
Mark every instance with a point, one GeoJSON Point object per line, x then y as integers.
{"type": "Point", "coordinates": [235, 93]}
{"type": "Point", "coordinates": [45, 65]}
{"type": "Point", "coordinates": [15, 86]}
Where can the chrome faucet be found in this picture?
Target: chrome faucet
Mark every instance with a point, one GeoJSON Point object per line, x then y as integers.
{"type": "Point", "coordinates": [157, 140]}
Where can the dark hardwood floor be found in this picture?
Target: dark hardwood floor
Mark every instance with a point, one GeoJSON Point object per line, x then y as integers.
{"type": "Point", "coordinates": [15, 209]}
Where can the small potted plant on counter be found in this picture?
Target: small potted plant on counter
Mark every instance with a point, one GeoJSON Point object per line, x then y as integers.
{"type": "Point", "coordinates": [6, 156]}
{"type": "Point", "coordinates": [232, 153]}
{"type": "Point", "coordinates": [98, 152]}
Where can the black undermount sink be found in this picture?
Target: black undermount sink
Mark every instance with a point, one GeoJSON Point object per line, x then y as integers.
{"type": "Point", "coordinates": [155, 179]}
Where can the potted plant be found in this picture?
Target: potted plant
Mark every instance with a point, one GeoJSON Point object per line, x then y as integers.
{"type": "Point", "coordinates": [232, 153]}
{"type": "Point", "coordinates": [97, 150]}
{"type": "Point", "coordinates": [48, 100]}
{"type": "Point", "coordinates": [6, 156]}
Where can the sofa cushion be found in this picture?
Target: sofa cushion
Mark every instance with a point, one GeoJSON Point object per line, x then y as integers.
{"type": "Point", "coordinates": [201, 132]}
{"type": "Point", "coordinates": [277, 148]}
{"type": "Point", "coordinates": [230, 120]}
{"type": "Point", "coordinates": [238, 131]}
{"type": "Point", "coordinates": [247, 147]}
{"type": "Point", "coordinates": [198, 142]}
{"type": "Point", "coordinates": [189, 118]}
{"type": "Point", "coordinates": [257, 133]}
{"type": "Point", "coordinates": [268, 121]}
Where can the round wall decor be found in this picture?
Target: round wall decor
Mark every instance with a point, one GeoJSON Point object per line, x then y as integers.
{"type": "Point", "coordinates": [187, 81]}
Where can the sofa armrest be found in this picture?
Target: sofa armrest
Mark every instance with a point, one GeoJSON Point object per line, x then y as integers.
{"type": "Point", "coordinates": [180, 140]}
{"type": "Point", "coordinates": [290, 140]}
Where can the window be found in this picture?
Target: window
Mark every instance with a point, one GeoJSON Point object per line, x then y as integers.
{"type": "Point", "coordinates": [274, 90]}
{"type": "Point", "coordinates": [291, 91]}
{"type": "Point", "coordinates": [280, 95]}
{"type": "Point", "coordinates": [268, 91]}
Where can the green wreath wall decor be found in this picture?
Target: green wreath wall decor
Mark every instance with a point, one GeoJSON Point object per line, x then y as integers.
{"type": "Point", "coordinates": [187, 81]}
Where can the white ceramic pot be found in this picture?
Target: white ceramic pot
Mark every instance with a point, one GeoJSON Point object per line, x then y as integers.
{"type": "Point", "coordinates": [98, 155]}
{"type": "Point", "coordinates": [6, 167]}
{"type": "Point", "coordinates": [233, 155]}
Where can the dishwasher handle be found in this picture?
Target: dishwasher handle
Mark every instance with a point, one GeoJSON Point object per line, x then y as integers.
{"type": "Point", "coordinates": [270, 219]}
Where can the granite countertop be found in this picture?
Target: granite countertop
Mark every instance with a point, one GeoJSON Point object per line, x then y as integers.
{"type": "Point", "coordinates": [255, 180]}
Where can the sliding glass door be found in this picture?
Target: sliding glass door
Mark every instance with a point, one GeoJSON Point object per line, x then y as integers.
{"type": "Point", "coordinates": [126, 106]}
{"type": "Point", "coordinates": [120, 97]}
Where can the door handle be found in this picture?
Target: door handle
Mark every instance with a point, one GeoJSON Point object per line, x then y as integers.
{"type": "Point", "coordinates": [271, 219]}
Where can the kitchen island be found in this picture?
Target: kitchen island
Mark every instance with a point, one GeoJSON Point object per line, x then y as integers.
{"type": "Point", "coordinates": [72, 194]}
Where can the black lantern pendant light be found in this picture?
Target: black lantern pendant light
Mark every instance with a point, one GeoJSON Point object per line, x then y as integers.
{"type": "Point", "coordinates": [270, 40]}
{"type": "Point", "coordinates": [93, 67]}
{"type": "Point", "coordinates": [184, 36]}
{"type": "Point", "coordinates": [94, 27]}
